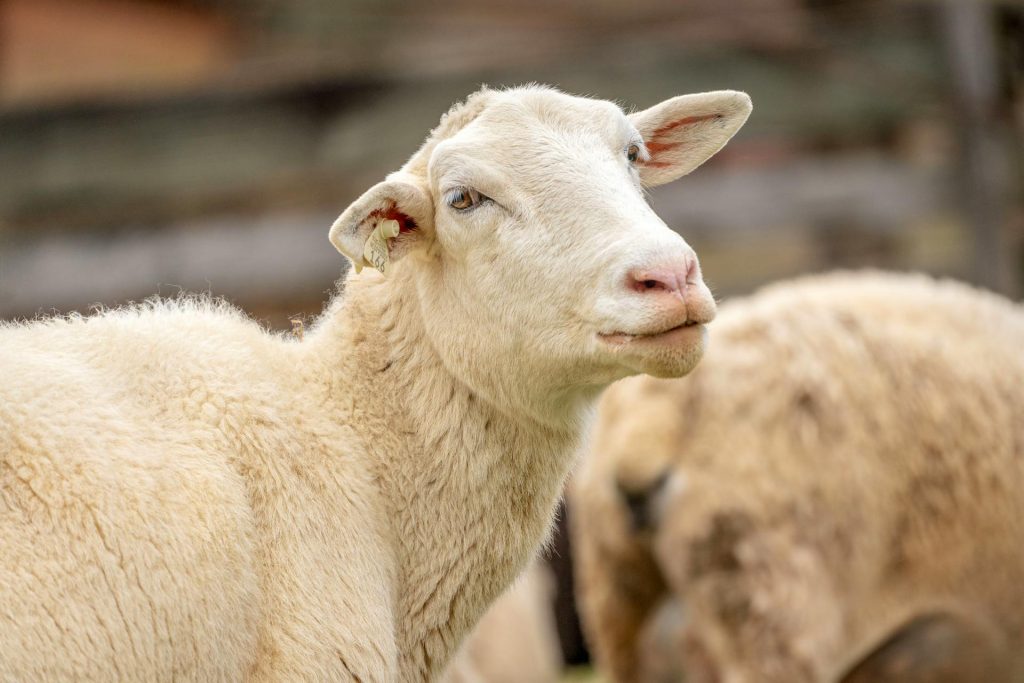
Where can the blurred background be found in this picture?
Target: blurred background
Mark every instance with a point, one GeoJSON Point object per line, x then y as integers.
{"type": "Point", "coordinates": [148, 146]}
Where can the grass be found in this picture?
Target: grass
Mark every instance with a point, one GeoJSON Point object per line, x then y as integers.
{"type": "Point", "coordinates": [581, 674]}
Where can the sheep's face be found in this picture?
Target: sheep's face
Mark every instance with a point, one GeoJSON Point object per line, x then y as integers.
{"type": "Point", "coordinates": [537, 249]}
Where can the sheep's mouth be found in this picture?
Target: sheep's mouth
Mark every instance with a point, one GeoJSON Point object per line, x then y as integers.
{"type": "Point", "coordinates": [662, 335]}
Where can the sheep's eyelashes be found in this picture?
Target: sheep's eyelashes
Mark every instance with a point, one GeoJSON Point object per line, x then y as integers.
{"type": "Point", "coordinates": [464, 198]}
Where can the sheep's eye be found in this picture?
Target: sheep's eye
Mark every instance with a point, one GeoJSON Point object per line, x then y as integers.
{"type": "Point", "coordinates": [464, 198]}
{"type": "Point", "coordinates": [633, 153]}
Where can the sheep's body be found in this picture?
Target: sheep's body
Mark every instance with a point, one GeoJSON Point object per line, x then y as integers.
{"type": "Point", "coordinates": [847, 464]}
{"type": "Point", "coordinates": [185, 497]}
{"type": "Point", "coordinates": [139, 458]}
{"type": "Point", "coordinates": [167, 449]}
{"type": "Point", "coordinates": [191, 546]}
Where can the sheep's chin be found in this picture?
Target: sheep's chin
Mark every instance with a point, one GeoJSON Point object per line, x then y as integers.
{"type": "Point", "coordinates": [670, 354]}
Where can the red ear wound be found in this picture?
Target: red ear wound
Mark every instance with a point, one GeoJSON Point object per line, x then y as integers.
{"type": "Point", "coordinates": [661, 138]}
{"type": "Point", "coordinates": [406, 223]}
{"type": "Point", "coordinates": [387, 224]}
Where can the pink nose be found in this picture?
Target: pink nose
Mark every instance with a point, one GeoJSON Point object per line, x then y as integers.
{"type": "Point", "coordinates": [669, 277]}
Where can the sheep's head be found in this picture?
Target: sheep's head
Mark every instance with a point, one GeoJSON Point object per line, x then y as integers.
{"type": "Point", "coordinates": [523, 223]}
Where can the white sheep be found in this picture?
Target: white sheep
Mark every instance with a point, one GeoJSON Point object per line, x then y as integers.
{"type": "Point", "coordinates": [836, 493]}
{"type": "Point", "coordinates": [184, 496]}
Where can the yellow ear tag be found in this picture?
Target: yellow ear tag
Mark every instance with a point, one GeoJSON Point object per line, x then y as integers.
{"type": "Point", "coordinates": [375, 251]}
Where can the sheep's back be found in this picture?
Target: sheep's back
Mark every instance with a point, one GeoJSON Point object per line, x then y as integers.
{"type": "Point", "coordinates": [869, 391]}
{"type": "Point", "coordinates": [124, 535]}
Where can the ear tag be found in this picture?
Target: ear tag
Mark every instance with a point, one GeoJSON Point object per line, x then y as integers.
{"type": "Point", "coordinates": [375, 251]}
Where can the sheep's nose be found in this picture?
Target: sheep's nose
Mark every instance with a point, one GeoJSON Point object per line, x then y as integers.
{"type": "Point", "coordinates": [669, 277]}
{"type": "Point", "coordinates": [674, 282]}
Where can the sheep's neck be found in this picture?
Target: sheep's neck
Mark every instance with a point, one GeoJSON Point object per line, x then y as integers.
{"type": "Point", "coordinates": [471, 490]}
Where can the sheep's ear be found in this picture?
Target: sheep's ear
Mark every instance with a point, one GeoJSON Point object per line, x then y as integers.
{"type": "Point", "coordinates": [684, 132]}
{"type": "Point", "coordinates": [401, 198]}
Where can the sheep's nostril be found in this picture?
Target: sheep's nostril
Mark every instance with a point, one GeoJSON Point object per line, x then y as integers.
{"type": "Point", "coordinates": [693, 272]}
{"type": "Point", "coordinates": [660, 279]}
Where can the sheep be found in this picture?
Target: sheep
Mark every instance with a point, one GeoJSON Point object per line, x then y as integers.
{"type": "Point", "coordinates": [516, 640]}
{"type": "Point", "coordinates": [185, 496]}
{"type": "Point", "coordinates": [834, 494]}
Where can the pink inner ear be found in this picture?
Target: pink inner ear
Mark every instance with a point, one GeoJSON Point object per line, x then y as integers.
{"type": "Point", "coordinates": [406, 223]}
{"type": "Point", "coordinates": [655, 147]}
{"type": "Point", "coordinates": [686, 121]}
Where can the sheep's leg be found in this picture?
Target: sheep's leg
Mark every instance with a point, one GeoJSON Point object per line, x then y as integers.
{"type": "Point", "coordinates": [625, 591]}
{"type": "Point", "coordinates": [936, 648]}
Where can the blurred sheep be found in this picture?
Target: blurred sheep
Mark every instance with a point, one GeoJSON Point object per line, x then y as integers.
{"type": "Point", "coordinates": [835, 494]}
{"type": "Point", "coordinates": [516, 640]}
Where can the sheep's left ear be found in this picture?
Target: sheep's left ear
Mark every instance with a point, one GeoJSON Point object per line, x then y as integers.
{"type": "Point", "coordinates": [402, 198]}
{"type": "Point", "coordinates": [684, 132]}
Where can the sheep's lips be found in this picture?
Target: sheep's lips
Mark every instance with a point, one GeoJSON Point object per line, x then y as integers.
{"type": "Point", "coordinates": [688, 334]}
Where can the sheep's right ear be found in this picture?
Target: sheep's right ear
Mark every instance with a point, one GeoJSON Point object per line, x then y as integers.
{"type": "Point", "coordinates": [402, 198]}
